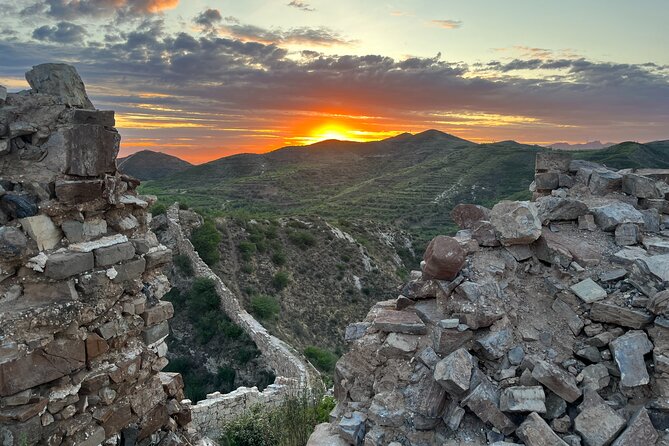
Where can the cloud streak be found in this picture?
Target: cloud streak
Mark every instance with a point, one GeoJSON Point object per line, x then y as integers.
{"type": "Point", "coordinates": [304, 6]}
{"type": "Point", "coordinates": [447, 24]}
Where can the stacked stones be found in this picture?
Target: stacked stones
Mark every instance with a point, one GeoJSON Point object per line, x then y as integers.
{"type": "Point", "coordinates": [82, 327]}
{"type": "Point", "coordinates": [539, 323]}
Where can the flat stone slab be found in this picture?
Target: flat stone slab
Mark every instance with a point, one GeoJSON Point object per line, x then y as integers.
{"type": "Point", "coordinates": [588, 291]}
{"type": "Point", "coordinates": [623, 316]}
{"type": "Point", "coordinates": [656, 245]}
{"type": "Point", "coordinates": [658, 266]}
{"type": "Point", "coordinates": [614, 274]}
{"type": "Point", "coordinates": [560, 382]}
{"type": "Point", "coordinates": [639, 430]}
{"type": "Point", "coordinates": [628, 351]}
{"type": "Point", "coordinates": [534, 431]}
{"type": "Point", "coordinates": [523, 399]}
{"type": "Point", "coordinates": [454, 372]}
{"type": "Point", "coordinates": [598, 425]}
{"type": "Point", "coordinates": [392, 321]}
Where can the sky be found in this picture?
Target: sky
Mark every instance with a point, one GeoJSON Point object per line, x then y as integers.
{"type": "Point", "coordinates": [207, 79]}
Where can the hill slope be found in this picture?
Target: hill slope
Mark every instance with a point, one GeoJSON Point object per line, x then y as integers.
{"type": "Point", "coordinates": [411, 181]}
{"type": "Point", "coordinates": [150, 165]}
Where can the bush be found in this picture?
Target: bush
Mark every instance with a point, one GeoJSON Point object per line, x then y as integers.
{"type": "Point", "coordinates": [302, 239]}
{"type": "Point", "coordinates": [279, 258]}
{"type": "Point", "coordinates": [245, 354]}
{"type": "Point", "coordinates": [202, 298]}
{"type": "Point", "coordinates": [184, 264]}
{"type": "Point", "coordinates": [183, 206]}
{"type": "Point", "coordinates": [225, 378]}
{"type": "Point", "coordinates": [281, 280]}
{"type": "Point", "coordinates": [324, 360]}
{"type": "Point", "coordinates": [178, 300]}
{"type": "Point", "coordinates": [290, 424]}
{"type": "Point", "coordinates": [205, 240]}
{"type": "Point", "coordinates": [247, 249]}
{"type": "Point", "coordinates": [158, 209]}
{"type": "Point", "coordinates": [265, 307]}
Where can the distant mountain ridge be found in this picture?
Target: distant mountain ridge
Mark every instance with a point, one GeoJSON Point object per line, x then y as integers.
{"type": "Point", "coordinates": [590, 145]}
{"type": "Point", "coordinates": [411, 181]}
{"type": "Point", "coordinates": [150, 165]}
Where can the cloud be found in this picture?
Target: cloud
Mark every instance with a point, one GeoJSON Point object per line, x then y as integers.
{"type": "Point", "coordinates": [75, 9]}
{"type": "Point", "coordinates": [304, 6]}
{"type": "Point", "coordinates": [248, 79]}
{"type": "Point", "coordinates": [447, 24]}
{"type": "Point", "coordinates": [63, 32]}
{"type": "Point", "coordinates": [321, 36]}
{"type": "Point", "coordinates": [208, 18]}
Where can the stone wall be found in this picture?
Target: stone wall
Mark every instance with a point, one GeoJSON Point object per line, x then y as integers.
{"type": "Point", "coordinates": [82, 326]}
{"type": "Point", "coordinates": [292, 370]}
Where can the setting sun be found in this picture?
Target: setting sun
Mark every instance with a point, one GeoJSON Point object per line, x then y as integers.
{"type": "Point", "coordinates": [332, 131]}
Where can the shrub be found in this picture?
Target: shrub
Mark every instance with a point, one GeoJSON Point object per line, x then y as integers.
{"type": "Point", "coordinates": [251, 429]}
{"type": "Point", "coordinates": [177, 299]}
{"type": "Point", "coordinates": [183, 206]}
{"type": "Point", "coordinates": [158, 209]}
{"type": "Point", "coordinates": [205, 240]}
{"type": "Point", "coordinates": [202, 297]}
{"type": "Point", "coordinates": [184, 264]}
{"type": "Point", "coordinates": [247, 268]}
{"type": "Point", "coordinates": [281, 280]}
{"type": "Point", "coordinates": [225, 378]}
{"type": "Point", "coordinates": [302, 239]}
{"type": "Point", "coordinates": [279, 258]}
{"type": "Point", "coordinates": [324, 360]}
{"type": "Point", "coordinates": [247, 249]}
{"type": "Point", "coordinates": [265, 307]}
{"type": "Point", "coordinates": [245, 354]}
{"type": "Point", "coordinates": [289, 424]}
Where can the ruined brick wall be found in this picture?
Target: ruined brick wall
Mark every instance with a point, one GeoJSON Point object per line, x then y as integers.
{"type": "Point", "coordinates": [292, 370]}
{"type": "Point", "coordinates": [82, 326]}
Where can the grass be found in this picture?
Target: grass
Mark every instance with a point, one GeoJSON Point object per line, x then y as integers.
{"type": "Point", "coordinates": [324, 360]}
{"type": "Point", "coordinates": [205, 240]}
{"type": "Point", "coordinates": [265, 307]}
{"type": "Point", "coordinates": [289, 424]}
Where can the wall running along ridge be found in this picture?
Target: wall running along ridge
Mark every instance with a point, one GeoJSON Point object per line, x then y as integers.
{"type": "Point", "coordinates": [82, 326]}
{"type": "Point", "coordinates": [294, 374]}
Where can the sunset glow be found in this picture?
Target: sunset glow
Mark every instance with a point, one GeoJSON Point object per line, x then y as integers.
{"type": "Point", "coordinates": [203, 80]}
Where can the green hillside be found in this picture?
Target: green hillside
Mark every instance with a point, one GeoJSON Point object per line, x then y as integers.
{"type": "Point", "coordinates": [411, 181]}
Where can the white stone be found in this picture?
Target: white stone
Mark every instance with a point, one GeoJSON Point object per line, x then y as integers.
{"type": "Point", "coordinates": [37, 263]}
{"type": "Point", "coordinates": [42, 230]}
{"type": "Point", "coordinates": [100, 243]}
{"type": "Point", "coordinates": [111, 273]}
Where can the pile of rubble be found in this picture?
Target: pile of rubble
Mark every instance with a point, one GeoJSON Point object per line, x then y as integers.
{"type": "Point", "coordinates": [82, 326]}
{"type": "Point", "coordinates": [539, 323]}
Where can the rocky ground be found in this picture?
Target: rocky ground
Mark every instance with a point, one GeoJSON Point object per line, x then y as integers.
{"type": "Point", "coordinates": [540, 323]}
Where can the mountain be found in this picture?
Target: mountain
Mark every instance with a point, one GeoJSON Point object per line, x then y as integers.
{"type": "Point", "coordinates": [590, 145]}
{"type": "Point", "coordinates": [150, 165]}
{"type": "Point", "coordinates": [631, 154]}
{"type": "Point", "coordinates": [410, 181]}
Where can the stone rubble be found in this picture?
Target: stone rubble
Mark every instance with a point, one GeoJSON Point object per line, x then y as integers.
{"type": "Point", "coordinates": [82, 326]}
{"type": "Point", "coordinates": [553, 331]}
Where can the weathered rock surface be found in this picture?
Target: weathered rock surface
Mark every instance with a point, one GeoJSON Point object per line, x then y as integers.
{"type": "Point", "coordinates": [516, 222]}
{"type": "Point", "coordinates": [628, 351]}
{"type": "Point", "coordinates": [444, 258]}
{"type": "Point", "coordinates": [60, 81]}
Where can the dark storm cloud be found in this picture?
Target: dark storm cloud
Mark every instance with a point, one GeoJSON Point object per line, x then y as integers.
{"type": "Point", "coordinates": [62, 32]}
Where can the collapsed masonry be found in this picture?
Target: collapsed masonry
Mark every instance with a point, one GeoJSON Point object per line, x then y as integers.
{"type": "Point", "coordinates": [539, 323]}
{"type": "Point", "coordinates": [82, 326]}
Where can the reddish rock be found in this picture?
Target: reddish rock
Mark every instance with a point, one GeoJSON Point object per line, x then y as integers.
{"type": "Point", "coordinates": [444, 258]}
{"type": "Point", "coordinates": [467, 215]}
{"type": "Point", "coordinates": [95, 346]}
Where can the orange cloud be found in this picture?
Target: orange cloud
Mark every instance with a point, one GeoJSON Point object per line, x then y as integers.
{"type": "Point", "coordinates": [154, 6]}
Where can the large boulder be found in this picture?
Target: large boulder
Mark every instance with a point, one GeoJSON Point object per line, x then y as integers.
{"type": "Point", "coordinates": [444, 258]}
{"type": "Point", "coordinates": [556, 209]}
{"type": "Point", "coordinates": [468, 215]}
{"type": "Point", "coordinates": [59, 80]}
{"type": "Point", "coordinates": [642, 187]}
{"type": "Point", "coordinates": [613, 214]}
{"type": "Point", "coordinates": [604, 181]}
{"type": "Point", "coordinates": [516, 222]}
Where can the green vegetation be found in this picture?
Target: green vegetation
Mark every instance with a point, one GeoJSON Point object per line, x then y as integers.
{"type": "Point", "coordinates": [290, 424]}
{"type": "Point", "coordinates": [184, 264]}
{"type": "Point", "coordinates": [205, 240]}
{"type": "Point", "coordinates": [158, 209]}
{"type": "Point", "coordinates": [265, 307]}
{"type": "Point", "coordinates": [247, 249]}
{"type": "Point", "coordinates": [323, 360]}
{"type": "Point", "coordinates": [281, 280]}
{"type": "Point", "coordinates": [302, 239]}
{"type": "Point", "coordinates": [279, 258]}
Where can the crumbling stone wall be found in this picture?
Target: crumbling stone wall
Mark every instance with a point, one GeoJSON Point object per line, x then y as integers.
{"type": "Point", "coordinates": [293, 372]}
{"type": "Point", "coordinates": [82, 326]}
{"type": "Point", "coordinates": [539, 323]}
